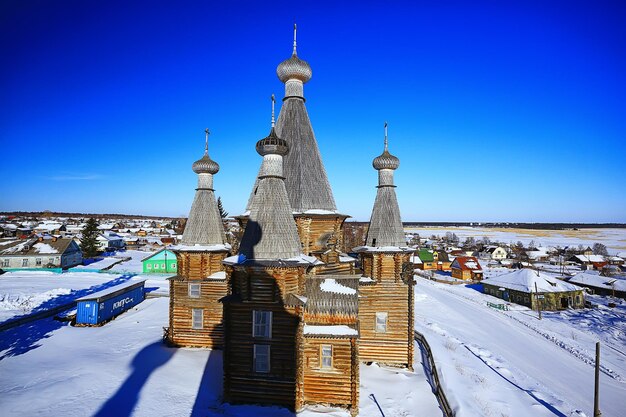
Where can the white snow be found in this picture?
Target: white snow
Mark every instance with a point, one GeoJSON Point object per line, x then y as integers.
{"type": "Point", "coordinates": [331, 285]}
{"type": "Point", "coordinates": [330, 330]}
{"type": "Point", "coordinates": [218, 275]}
{"type": "Point", "coordinates": [44, 248]}
{"type": "Point", "coordinates": [201, 248]}
{"type": "Point", "coordinates": [496, 363]}
{"type": "Point", "coordinates": [366, 280]}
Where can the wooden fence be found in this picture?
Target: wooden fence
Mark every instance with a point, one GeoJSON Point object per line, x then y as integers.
{"type": "Point", "coordinates": [441, 396]}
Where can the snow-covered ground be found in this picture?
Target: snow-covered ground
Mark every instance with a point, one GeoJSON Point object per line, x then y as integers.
{"type": "Point", "coordinates": [26, 292]}
{"type": "Point", "coordinates": [496, 363]}
{"type": "Point", "coordinates": [124, 369]}
{"type": "Point", "coordinates": [614, 239]}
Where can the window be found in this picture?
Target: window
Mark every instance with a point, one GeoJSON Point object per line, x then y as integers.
{"type": "Point", "coordinates": [174, 265]}
{"type": "Point", "coordinates": [149, 266]}
{"type": "Point", "coordinates": [381, 322]}
{"type": "Point", "coordinates": [194, 290]}
{"type": "Point", "coordinates": [261, 358]}
{"type": "Point", "coordinates": [162, 266]}
{"type": "Point", "coordinates": [197, 315]}
{"type": "Point", "coordinates": [262, 324]}
{"type": "Point", "coordinates": [5, 262]}
{"type": "Point", "coordinates": [38, 261]}
{"type": "Point", "coordinates": [51, 260]}
{"type": "Point", "coordinates": [24, 262]}
{"type": "Point", "coordinates": [577, 299]}
{"type": "Point", "coordinates": [326, 353]}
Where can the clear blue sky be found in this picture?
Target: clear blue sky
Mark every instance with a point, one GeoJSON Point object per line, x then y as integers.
{"type": "Point", "coordinates": [497, 112]}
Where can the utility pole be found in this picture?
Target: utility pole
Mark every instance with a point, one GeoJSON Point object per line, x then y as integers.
{"type": "Point", "coordinates": [596, 392]}
{"type": "Point", "coordinates": [537, 299]}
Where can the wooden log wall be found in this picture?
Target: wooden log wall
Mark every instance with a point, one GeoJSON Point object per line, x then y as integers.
{"type": "Point", "coordinates": [315, 230]}
{"type": "Point", "coordinates": [388, 293]}
{"type": "Point", "coordinates": [199, 265]}
{"type": "Point", "coordinates": [241, 383]}
{"type": "Point", "coordinates": [337, 386]}
{"type": "Point", "coordinates": [194, 267]}
{"type": "Point", "coordinates": [266, 284]}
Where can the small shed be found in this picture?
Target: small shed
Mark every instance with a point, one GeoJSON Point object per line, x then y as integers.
{"type": "Point", "coordinates": [102, 306]}
{"type": "Point", "coordinates": [427, 258]}
{"type": "Point", "coordinates": [519, 287]}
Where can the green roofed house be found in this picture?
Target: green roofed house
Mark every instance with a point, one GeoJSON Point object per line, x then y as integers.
{"type": "Point", "coordinates": [162, 262]}
{"type": "Point", "coordinates": [427, 258]}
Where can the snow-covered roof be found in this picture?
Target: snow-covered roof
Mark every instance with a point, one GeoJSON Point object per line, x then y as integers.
{"type": "Point", "coordinates": [201, 248]}
{"type": "Point", "coordinates": [593, 279]}
{"type": "Point", "coordinates": [331, 285]}
{"type": "Point", "coordinates": [525, 279]}
{"type": "Point", "coordinates": [383, 249]}
{"type": "Point", "coordinates": [331, 330]}
{"type": "Point", "coordinates": [217, 275]}
{"type": "Point", "coordinates": [109, 291]}
{"type": "Point", "coordinates": [590, 258]}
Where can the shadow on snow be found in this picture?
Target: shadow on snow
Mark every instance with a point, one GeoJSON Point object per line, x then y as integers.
{"type": "Point", "coordinates": [24, 338]}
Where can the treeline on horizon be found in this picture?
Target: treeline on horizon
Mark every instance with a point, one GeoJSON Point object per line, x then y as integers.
{"type": "Point", "coordinates": [508, 225]}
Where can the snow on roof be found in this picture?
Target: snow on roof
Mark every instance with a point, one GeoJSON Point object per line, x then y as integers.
{"type": "Point", "coordinates": [590, 258]}
{"type": "Point", "coordinates": [467, 263]}
{"type": "Point", "coordinates": [333, 330]}
{"type": "Point", "coordinates": [346, 258]}
{"type": "Point", "coordinates": [201, 248]}
{"type": "Point", "coordinates": [415, 259]}
{"type": "Point", "coordinates": [366, 280]}
{"type": "Point", "coordinates": [300, 259]}
{"type": "Point", "coordinates": [331, 285]}
{"type": "Point", "coordinates": [382, 249]}
{"type": "Point", "coordinates": [218, 275]}
{"type": "Point", "coordinates": [525, 279]}
{"type": "Point", "coordinates": [111, 290]}
{"type": "Point", "coordinates": [44, 248]}
{"type": "Point", "coordinates": [595, 280]}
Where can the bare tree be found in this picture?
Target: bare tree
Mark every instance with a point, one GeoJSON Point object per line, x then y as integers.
{"type": "Point", "coordinates": [599, 249]}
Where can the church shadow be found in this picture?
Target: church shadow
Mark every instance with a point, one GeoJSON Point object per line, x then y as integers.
{"type": "Point", "coordinates": [145, 362]}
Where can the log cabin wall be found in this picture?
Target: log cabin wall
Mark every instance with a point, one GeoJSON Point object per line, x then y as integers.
{"type": "Point", "coordinates": [194, 268]}
{"type": "Point", "coordinates": [315, 230]}
{"type": "Point", "coordinates": [337, 385]}
{"type": "Point", "coordinates": [389, 294]}
{"type": "Point", "coordinates": [262, 289]}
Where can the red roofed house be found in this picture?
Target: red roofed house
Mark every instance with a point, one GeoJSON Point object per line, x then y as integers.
{"type": "Point", "coordinates": [467, 267]}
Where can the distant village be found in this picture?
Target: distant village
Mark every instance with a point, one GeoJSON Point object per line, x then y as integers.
{"type": "Point", "coordinates": [53, 243]}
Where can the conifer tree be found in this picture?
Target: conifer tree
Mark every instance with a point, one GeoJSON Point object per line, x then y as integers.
{"type": "Point", "coordinates": [223, 212]}
{"type": "Point", "coordinates": [89, 240]}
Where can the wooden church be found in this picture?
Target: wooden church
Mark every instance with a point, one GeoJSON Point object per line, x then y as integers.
{"type": "Point", "coordinates": [293, 314]}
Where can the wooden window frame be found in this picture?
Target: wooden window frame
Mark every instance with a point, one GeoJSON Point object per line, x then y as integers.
{"type": "Point", "coordinates": [376, 324]}
{"type": "Point", "coordinates": [255, 354]}
{"type": "Point", "coordinates": [191, 284]}
{"type": "Point", "coordinates": [322, 357]}
{"type": "Point", "coordinates": [193, 321]}
{"type": "Point", "coordinates": [267, 325]}
{"type": "Point", "coordinates": [24, 262]}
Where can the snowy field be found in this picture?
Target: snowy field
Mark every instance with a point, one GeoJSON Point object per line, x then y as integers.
{"type": "Point", "coordinates": [123, 369]}
{"type": "Point", "coordinates": [26, 292]}
{"type": "Point", "coordinates": [497, 363]}
{"type": "Point", "coordinates": [614, 239]}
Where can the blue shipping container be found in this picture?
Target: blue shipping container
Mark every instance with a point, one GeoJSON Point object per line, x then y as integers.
{"type": "Point", "coordinates": [104, 305]}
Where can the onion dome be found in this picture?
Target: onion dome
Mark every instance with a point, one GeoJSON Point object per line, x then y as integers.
{"type": "Point", "coordinates": [294, 67]}
{"type": "Point", "coordinates": [205, 165]}
{"type": "Point", "coordinates": [386, 160]}
{"type": "Point", "coordinates": [272, 145]}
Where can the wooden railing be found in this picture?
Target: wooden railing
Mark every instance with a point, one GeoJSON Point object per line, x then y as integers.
{"type": "Point", "coordinates": [441, 396]}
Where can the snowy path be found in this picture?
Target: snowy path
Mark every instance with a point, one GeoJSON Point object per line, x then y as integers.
{"type": "Point", "coordinates": [532, 371]}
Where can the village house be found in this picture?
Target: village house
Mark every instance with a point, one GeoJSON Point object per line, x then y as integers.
{"type": "Point", "coordinates": [466, 268]}
{"type": "Point", "coordinates": [109, 242]}
{"type": "Point", "coordinates": [535, 289]}
{"type": "Point", "coordinates": [495, 253]}
{"type": "Point", "coordinates": [601, 285]}
{"type": "Point", "coordinates": [39, 252]}
{"type": "Point", "coordinates": [444, 263]}
{"type": "Point", "coordinates": [589, 261]}
{"type": "Point", "coordinates": [161, 262]}
{"type": "Point", "coordinates": [427, 260]}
